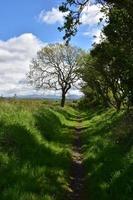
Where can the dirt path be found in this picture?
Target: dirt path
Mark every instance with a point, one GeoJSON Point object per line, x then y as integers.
{"type": "Point", "coordinates": [77, 170]}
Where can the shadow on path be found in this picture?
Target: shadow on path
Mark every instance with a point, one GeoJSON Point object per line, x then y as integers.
{"type": "Point", "coordinates": [77, 172]}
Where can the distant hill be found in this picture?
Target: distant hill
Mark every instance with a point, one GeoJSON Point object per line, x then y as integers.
{"type": "Point", "coordinates": [54, 97]}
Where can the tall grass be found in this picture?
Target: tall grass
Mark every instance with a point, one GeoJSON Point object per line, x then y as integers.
{"type": "Point", "coordinates": [35, 150]}
{"type": "Point", "coordinates": [108, 155]}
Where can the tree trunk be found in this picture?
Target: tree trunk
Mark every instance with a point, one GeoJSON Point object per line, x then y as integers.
{"type": "Point", "coordinates": [63, 99]}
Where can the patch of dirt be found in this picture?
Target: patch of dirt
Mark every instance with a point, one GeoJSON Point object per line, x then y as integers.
{"type": "Point", "coordinates": [77, 169]}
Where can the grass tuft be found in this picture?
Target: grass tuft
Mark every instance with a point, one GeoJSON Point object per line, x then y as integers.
{"type": "Point", "coordinates": [108, 161]}
{"type": "Point", "coordinates": [35, 150]}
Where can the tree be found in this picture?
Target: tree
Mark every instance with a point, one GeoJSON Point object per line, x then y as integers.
{"type": "Point", "coordinates": [110, 64]}
{"type": "Point", "coordinates": [103, 76]}
{"type": "Point", "coordinates": [94, 87]}
{"type": "Point", "coordinates": [74, 9]}
{"type": "Point", "coordinates": [114, 57]}
{"type": "Point", "coordinates": [55, 68]}
{"type": "Point", "coordinates": [119, 33]}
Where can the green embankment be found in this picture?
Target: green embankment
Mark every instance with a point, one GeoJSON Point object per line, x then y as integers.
{"type": "Point", "coordinates": [35, 150]}
{"type": "Point", "coordinates": [36, 140]}
{"type": "Point", "coordinates": [108, 154]}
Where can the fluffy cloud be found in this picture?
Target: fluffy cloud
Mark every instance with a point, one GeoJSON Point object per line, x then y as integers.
{"type": "Point", "coordinates": [15, 56]}
{"type": "Point", "coordinates": [90, 18]}
{"type": "Point", "coordinates": [90, 15]}
{"type": "Point", "coordinates": [94, 33]}
{"type": "Point", "coordinates": [98, 35]}
{"type": "Point", "coordinates": [52, 17]}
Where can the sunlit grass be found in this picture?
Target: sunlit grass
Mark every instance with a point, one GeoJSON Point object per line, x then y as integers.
{"type": "Point", "coordinates": [36, 140]}
{"type": "Point", "coordinates": [108, 161]}
{"type": "Point", "coordinates": [35, 150]}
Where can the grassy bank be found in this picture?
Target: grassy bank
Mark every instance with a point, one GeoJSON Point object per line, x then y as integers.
{"type": "Point", "coordinates": [36, 140]}
{"type": "Point", "coordinates": [108, 154]}
{"type": "Point", "coordinates": [35, 150]}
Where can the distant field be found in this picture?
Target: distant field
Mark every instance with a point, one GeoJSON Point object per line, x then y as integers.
{"type": "Point", "coordinates": [37, 102]}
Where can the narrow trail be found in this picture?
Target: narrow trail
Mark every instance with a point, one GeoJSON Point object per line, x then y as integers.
{"type": "Point", "coordinates": [77, 169]}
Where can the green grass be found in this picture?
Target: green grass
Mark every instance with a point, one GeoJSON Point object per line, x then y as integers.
{"type": "Point", "coordinates": [36, 140]}
{"type": "Point", "coordinates": [108, 154]}
{"type": "Point", "coordinates": [35, 150]}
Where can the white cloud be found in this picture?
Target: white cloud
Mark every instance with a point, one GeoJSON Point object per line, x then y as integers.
{"type": "Point", "coordinates": [15, 56]}
{"type": "Point", "coordinates": [52, 17]}
{"type": "Point", "coordinates": [95, 34]}
{"type": "Point", "coordinates": [91, 14]}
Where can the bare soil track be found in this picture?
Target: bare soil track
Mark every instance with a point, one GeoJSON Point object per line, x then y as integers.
{"type": "Point", "coordinates": [77, 169]}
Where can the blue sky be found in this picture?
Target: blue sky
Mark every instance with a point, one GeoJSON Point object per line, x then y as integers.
{"type": "Point", "coordinates": [26, 26]}
{"type": "Point", "coordinates": [18, 17]}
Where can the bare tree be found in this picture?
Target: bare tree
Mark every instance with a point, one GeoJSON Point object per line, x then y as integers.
{"type": "Point", "coordinates": [55, 68]}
